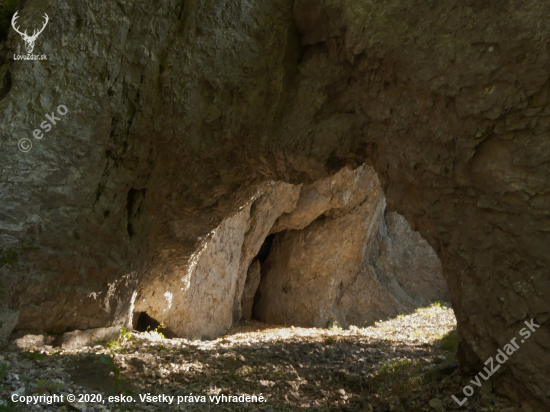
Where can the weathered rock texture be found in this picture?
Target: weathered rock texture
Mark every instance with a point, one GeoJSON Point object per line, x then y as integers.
{"type": "Point", "coordinates": [353, 268]}
{"type": "Point", "coordinates": [8, 321]}
{"type": "Point", "coordinates": [313, 271]}
{"type": "Point", "coordinates": [401, 272]}
{"type": "Point", "coordinates": [176, 115]}
{"type": "Point", "coordinates": [250, 288]}
{"type": "Point", "coordinates": [202, 295]}
{"type": "Point", "coordinates": [89, 337]}
{"type": "Point", "coordinates": [405, 264]}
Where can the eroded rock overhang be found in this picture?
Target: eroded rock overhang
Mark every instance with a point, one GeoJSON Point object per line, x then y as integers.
{"type": "Point", "coordinates": [335, 256]}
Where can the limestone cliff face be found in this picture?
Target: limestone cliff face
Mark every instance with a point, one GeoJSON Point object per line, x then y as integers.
{"type": "Point", "coordinates": [177, 116]}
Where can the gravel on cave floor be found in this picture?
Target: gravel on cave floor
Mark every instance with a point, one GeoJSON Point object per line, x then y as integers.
{"type": "Point", "coordinates": [404, 364]}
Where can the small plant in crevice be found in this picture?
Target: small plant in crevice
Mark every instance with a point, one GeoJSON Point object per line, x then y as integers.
{"type": "Point", "coordinates": [112, 344]}
{"type": "Point", "coordinates": [124, 334]}
{"type": "Point", "coordinates": [333, 325]}
{"type": "Point", "coordinates": [438, 304]}
{"type": "Point", "coordinates": [118, 344]}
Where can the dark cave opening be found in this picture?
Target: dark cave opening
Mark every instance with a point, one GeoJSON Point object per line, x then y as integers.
{"type": "Point", "coordinates": [263, 253]}
{"type": "Point", "coordinates": [262, 256]}
{"type": "Point", "coordinates": [142, 322]}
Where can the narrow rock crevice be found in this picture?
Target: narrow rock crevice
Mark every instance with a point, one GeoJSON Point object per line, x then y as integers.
{"type": "Point", "coordinates": [5, 84]}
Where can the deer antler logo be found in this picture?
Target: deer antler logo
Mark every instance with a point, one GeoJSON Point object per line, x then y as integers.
{"type": "Point", "coordinates": [29, 40]}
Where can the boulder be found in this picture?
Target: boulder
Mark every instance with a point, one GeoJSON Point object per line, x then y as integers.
{"type": "Point", "coordinates": [36, 340]}
{"type": "Point", "coordinates": [90, 337]}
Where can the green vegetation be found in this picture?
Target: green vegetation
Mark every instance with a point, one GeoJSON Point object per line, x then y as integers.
{"type": "Point", "coordinates": [156, 332]}
{"type": "Point", "coordinates": [9, 407]}
{"type": "Point", "coordinates": [36, 356]}
{"type": "Point", "coordinates": [438, 304]}
{"type": "Point", "coordinates": [333, 325]}
{"type": "Point", "coordinates": [125, 334]}
{"type": "Point", "coordinates": [117, 344]}
{"type": "Point", "coordinates": [112, 344]}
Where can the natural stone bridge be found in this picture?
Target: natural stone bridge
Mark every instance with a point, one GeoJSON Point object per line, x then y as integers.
{"type": "Point", "coordinates": [328, 132]}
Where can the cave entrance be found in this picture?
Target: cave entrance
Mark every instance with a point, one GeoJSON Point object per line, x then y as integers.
{"type": "Point", "coordinates": [331, 271]}
{"type": "Point", "coordinates": [251, 293]}
{"type": "Point", "coordinates": [262, 256]}
{"type": "Point", "coordinates": [142, 322]}
{"type": "Point", "coordinates": [265, 249]}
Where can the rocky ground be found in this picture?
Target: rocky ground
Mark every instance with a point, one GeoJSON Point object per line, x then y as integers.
{"type": "Point", "coordinates": [403, 364]}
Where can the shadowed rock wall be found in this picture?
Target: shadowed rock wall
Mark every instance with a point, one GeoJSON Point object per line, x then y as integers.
{"type": "Point", "coordinates": [176, 116]}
